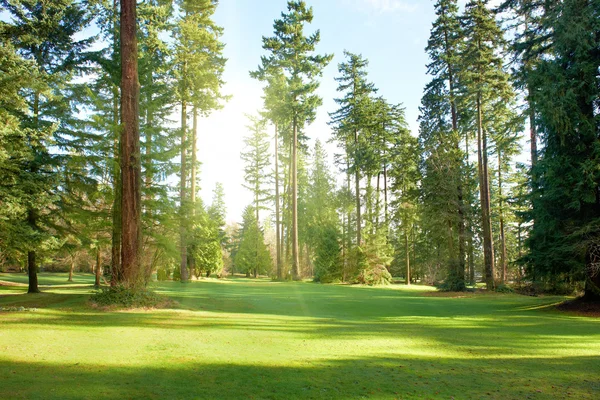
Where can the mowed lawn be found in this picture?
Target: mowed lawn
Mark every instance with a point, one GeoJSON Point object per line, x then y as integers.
{"type": "Point", "coordinates": [264, 340]}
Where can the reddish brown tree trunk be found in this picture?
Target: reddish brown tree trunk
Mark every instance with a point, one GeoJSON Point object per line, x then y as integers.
{"type": "Point", "coordinates": [294, 166]}
{"type": "Point", "coordinates": [131, 171]}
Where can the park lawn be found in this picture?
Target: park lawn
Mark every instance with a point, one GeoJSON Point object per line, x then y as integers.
{"type": "Point", "coordinates": [264, 340]}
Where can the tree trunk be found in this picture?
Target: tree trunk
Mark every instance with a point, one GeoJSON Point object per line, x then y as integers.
{"type": "Point", "coordinates": [71, 269]}
{"type": "Point", "coordinates": [182, 200]}
{"type": "Point", "coordinates": [32, 271]}
{"type": "Point", "coordinates": [193, 184]}
{"type": "Point", "coordinates": [407, 256]}
{"type": "Point", "coordinates": [116, 170]}
{"type": "Point", "coordinates": [295, 254]}
{"type": "Point", "coordinates": [460, 266]}
{"type": "Point", "coordinates": [357, 189]}
{"type": "Point", "coordinates": [278, 239]}
{"type": "Point", "coordinates": [98, 268]}
{"type": "Point", "coordinates": [502, 233]}
{"type": "Point", "coordinates": [378, 201]}
{"type": "Point", "coordinates": [385, 195]}
{"type": "Point", "coordinates": [484, 193]}
{"type": "Point", "coordinates": [130, 148]}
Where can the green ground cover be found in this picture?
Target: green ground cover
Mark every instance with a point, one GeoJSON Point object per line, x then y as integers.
{"type": "Point", "coordinates": [263, 340]}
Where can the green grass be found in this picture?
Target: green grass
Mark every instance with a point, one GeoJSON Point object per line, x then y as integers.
{"type": "Point", "coordinates": [262, 340]}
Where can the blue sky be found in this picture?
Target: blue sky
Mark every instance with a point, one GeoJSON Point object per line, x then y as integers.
{"type": "Point", "coordinates": [391, 34]}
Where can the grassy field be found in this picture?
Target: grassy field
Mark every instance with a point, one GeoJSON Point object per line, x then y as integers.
{"type": "Point", "coordinates": [262, 340]}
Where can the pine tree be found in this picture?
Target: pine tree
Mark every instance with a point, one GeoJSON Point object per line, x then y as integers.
{"type": "Point", "coordinates": [293, 53]}
{"type": "Point", "coordinates": [486, 88]}
{"type": "Point", "coordinates": [564, 239]}
{"type": "Point", "coordinates": [252, 255]}
{"type": "Point", "coordinates": [441, 93]}
{"type": "Point", "coordinates": [257, 161]}
{"type": "Point", "coordinates": [350, 120]}
{"type": "Point", "coordinates": [48, 123]}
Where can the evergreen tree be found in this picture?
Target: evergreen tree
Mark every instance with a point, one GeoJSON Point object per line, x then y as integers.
{"type": "Point", "coordinates": [293, 53]}
{"type": "Point", "coordinates": [486, 89]}
{"type": "Point", "coordinates": [252, 255]}
{"type": "Point", "coordinates": [350, 120]}
{"type": "Point", "coordinates": [564, 239]}
{"type": "Point", "coordinates": [47, 126]}
{"type": "Point", "coordinates": [257, 161]}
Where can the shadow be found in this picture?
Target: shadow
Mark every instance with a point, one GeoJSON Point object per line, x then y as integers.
{"type": "Point", "coordinates": [357, 378]}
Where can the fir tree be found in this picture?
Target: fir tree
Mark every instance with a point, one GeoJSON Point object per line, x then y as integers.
{"type": "Point", "coordinates": [293, 53]}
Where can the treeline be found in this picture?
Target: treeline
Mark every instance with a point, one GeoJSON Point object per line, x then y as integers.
{"type": "Point", "coordinates": [89, 153]}
{"type": "Point", "coordinates": [451, 206]}
{"type": "Point", "coordinates": [89, 150]}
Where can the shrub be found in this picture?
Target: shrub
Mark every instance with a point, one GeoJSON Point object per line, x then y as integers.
{"type": "Point", "coordinates": [120, 296]}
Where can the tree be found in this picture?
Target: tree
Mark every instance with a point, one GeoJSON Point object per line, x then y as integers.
{"type": "Point", "coordinates": [350, 120]}
{"type": "Point", "coordinates": [131, 169]}
{"type": "Point", "coordinates": [293, 53]}
{"type": "Point", "coordinates": [440, 129]}
{"type": "Point", "coordinates": [486, 88]}
{"type": "Point", "coordinates": [257, 161]}
{"type": "Point", "coordinates": [47, 125]}
{"type": "Point", "coordinates": [564, 239]}
{"type": "Point", "coordinates": [252, 256]}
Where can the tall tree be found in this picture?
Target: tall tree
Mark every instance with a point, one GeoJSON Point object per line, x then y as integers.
{"type": "Point", "coordinates": [48, 124]}
{"type": "Point", "coordinates": [486, 87]}
{"type": "Point", "coordinates": [131, 169]}
{"type": "Point", "coordinates": [293, 53]}
{"type": "Point", "coordinates": [444, 51]}
{"type": "Point", "coordinates": [257, 161]}
{"type": "Point", "coordinates": [351, 119]}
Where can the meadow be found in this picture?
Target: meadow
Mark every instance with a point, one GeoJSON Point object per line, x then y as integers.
{"type": "Point", "coordinates": [257, 339]}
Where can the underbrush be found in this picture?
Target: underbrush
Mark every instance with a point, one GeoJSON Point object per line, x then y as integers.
{"type": "Point", "coordinates": [122, 297]}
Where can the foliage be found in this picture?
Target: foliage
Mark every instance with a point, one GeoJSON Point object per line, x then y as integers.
{"type": "Point", "coordinates": [120, 296]}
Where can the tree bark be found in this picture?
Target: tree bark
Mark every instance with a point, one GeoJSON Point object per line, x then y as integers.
{"type": "Point", "coordinates": [484, 193]}
{"type": "Point", "coordinates": [131, 198]}
{"type": "Point", "coordinates": [116, 273]}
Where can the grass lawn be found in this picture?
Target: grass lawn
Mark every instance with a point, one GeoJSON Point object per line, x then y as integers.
{"type": "Point", "coordinates": [261, 340]}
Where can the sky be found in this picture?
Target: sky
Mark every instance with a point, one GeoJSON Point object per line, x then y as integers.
{"type": "Point", "coordinates": [391, 34]}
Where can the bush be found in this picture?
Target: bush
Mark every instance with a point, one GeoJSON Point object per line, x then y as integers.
{"type": "Point", "coordinates": [120, 296]}
{"type": "Point", "coordinates": [502, 288]}
{"type": "Point", "coordinates": [163, 274]}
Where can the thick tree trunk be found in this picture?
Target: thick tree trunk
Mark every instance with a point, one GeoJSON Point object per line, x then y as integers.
{"type": "Point", "coordinates": [295, 254]}
{"type": "Point", "coordinates": [130, 147]}
{"type": "Point", "coordinates": [278, 239]}
{"type": "Point", "coordinates": [32, 271]}
{"type": "Point", "coordinates": [484, 193]}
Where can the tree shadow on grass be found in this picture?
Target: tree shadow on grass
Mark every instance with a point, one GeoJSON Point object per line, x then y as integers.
{"type": "Point", "coordinates": [374, 378]}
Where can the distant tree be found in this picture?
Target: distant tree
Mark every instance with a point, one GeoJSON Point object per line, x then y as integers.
{"type": "Point", "coordinates": [252, 255]}
{"type": "Point", "coordinates": [256, 157]}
